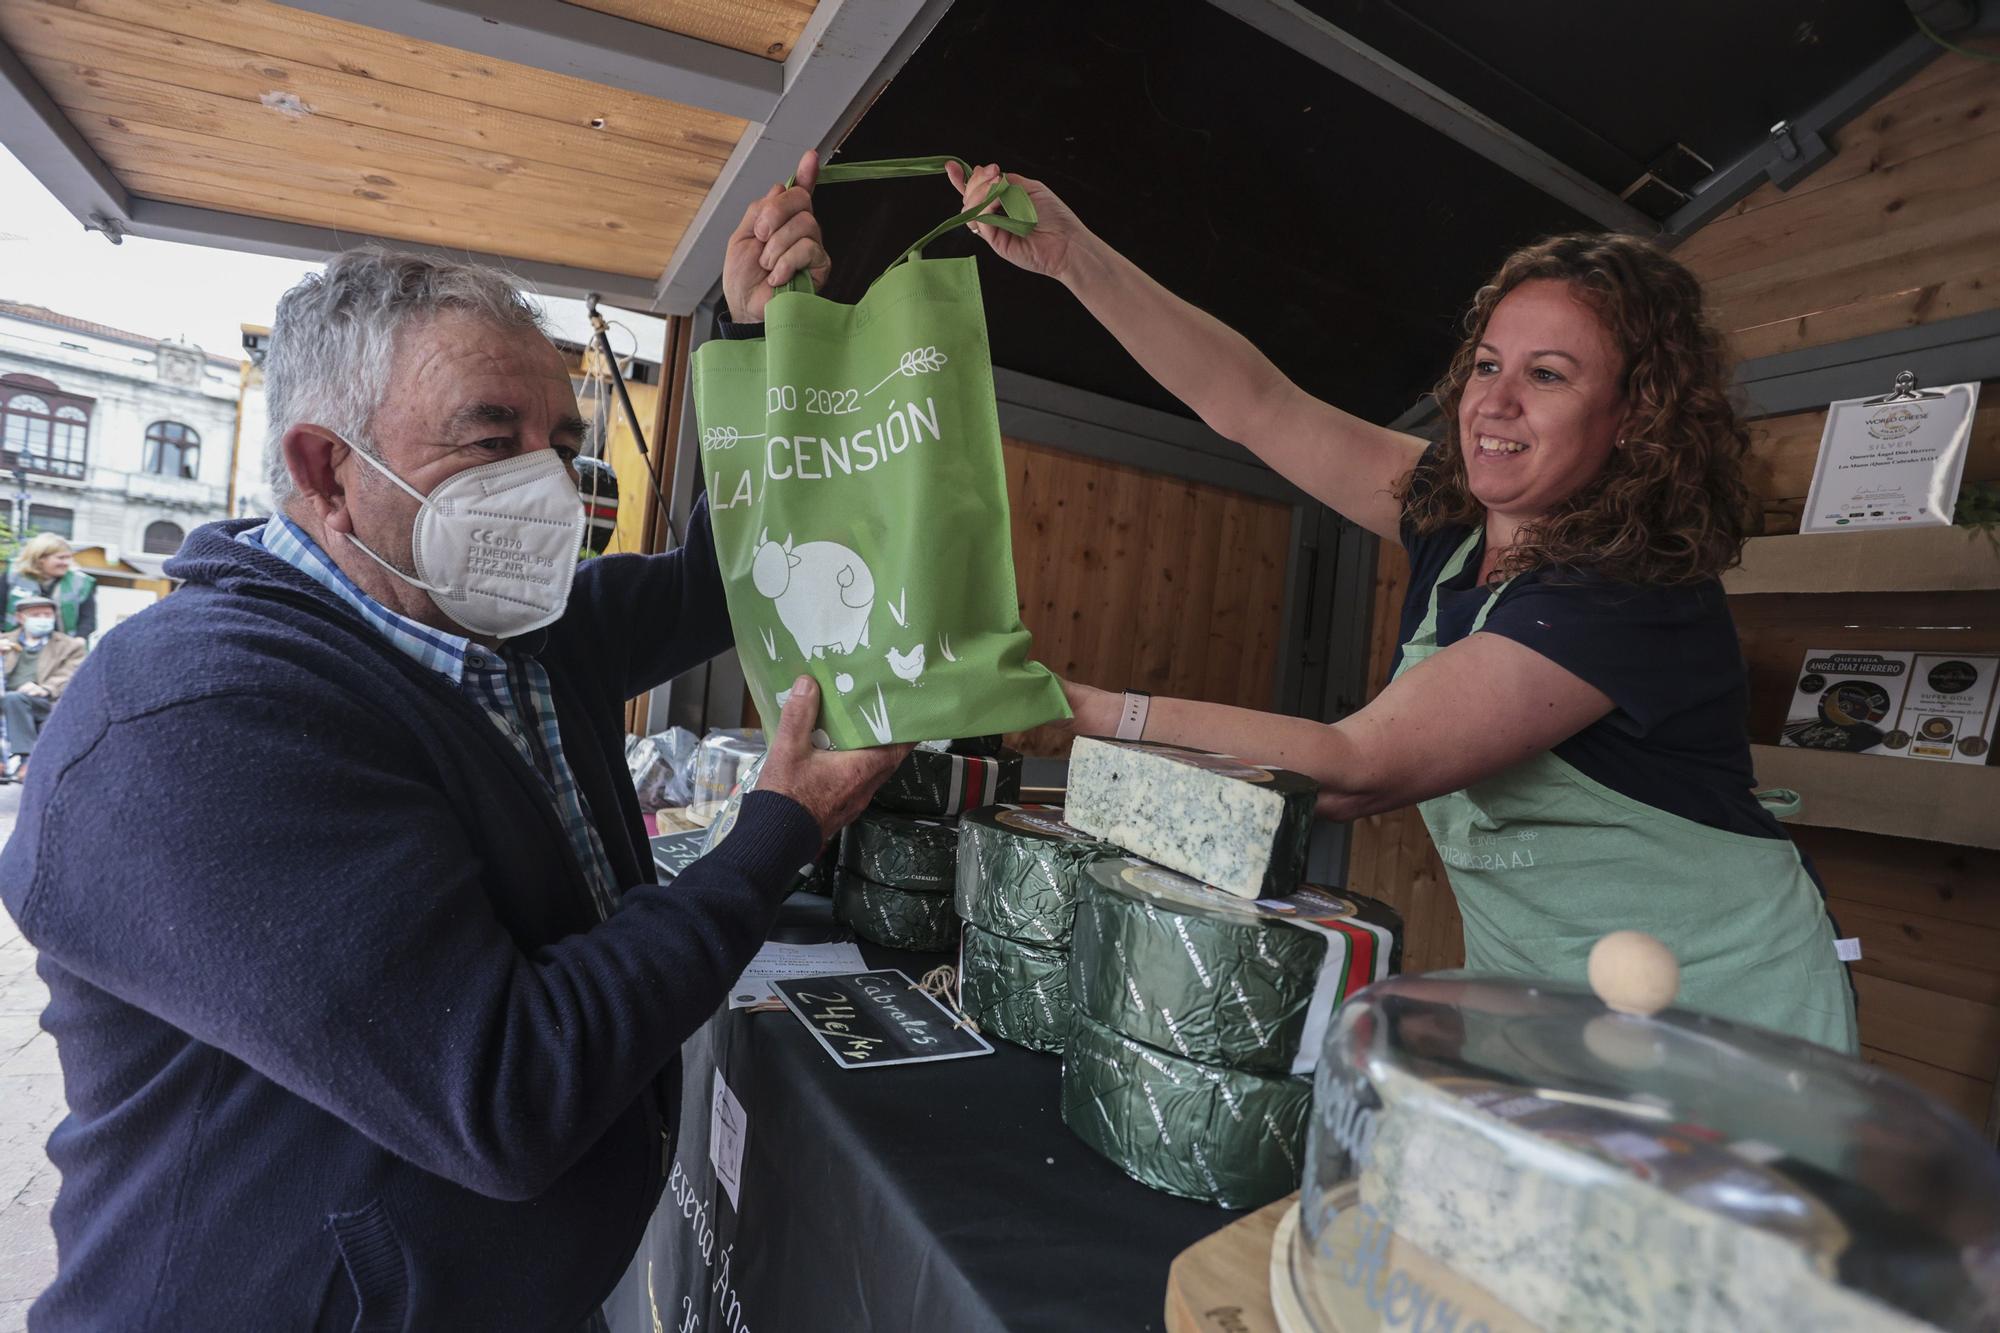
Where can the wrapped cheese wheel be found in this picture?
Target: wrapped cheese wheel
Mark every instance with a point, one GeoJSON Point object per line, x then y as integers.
{"type": "Point", "coordinates": [895, 918]}
{"type": "Point", "coordinates": [1014, 991]}
{"type": "Point", "coordinates": [1020, 869]}
{"type": "Point", "coordinates": [1223, 1136]}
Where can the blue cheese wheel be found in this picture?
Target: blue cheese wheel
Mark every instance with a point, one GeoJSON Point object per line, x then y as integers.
{"type": "Point", "coordinates": [1020, 871]}
{"type": "Point", "coordinates": [911, 852]}
{"type": "Point", "coordinates": [1223, 1136]}
{"type": "Point", "coordinates": [895, 918]}
{"type": "Point", "coordinates": [1014, 991]}
{"type": "Point", "coordinates": [1239, 826]}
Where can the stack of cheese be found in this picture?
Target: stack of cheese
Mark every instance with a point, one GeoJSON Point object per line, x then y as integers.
{"type": "Point", "coordinates": [898, 862]}
{"type": "Point", "coordinates": [1020, 869]}
{"type": "Point", "coordinates": [1203, 976]}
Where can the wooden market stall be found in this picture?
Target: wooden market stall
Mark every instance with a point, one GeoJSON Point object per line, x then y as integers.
{"type": "Point", "coordinates": [1333, 177]}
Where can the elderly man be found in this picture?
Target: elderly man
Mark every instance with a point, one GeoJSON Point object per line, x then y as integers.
{"type": "Point", "coordinates": [38, 660]}
{"type": "Point", "coordinates": [367, 1008]}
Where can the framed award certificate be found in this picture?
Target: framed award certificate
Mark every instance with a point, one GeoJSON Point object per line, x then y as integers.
{"type": "Point", "coordinates": [1891, 461]}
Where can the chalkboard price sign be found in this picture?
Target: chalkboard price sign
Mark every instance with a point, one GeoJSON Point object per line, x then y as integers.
{"type": "Point", "coordinates": [878, 1018]}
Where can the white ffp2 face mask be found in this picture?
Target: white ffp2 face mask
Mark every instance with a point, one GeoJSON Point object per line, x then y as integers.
{"type": "Point", "coordinates": [38, 627]}
{"type": "Point", "coordinates": [496, 545]}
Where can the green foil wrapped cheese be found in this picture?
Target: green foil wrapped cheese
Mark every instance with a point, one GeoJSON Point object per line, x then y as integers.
{"type": "Point", "coordinates": [897, 918]}
{"type": "Point", "coordinates": [1017, 992]}
{"type": "Point", "coordinates": [1189, 969]}
{"type": "Point", "coordinates": [1239, 826]}
{"type": "Point", "coordinates": [1220, 1135]}
{"type": "Point", "coordinates": [1020, 869]}
{"type": "Point", "coordinates": [933, 782]}
{"type": "Point", "coordinates": [914, 852]}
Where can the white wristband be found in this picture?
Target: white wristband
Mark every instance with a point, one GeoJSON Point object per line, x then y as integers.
{"type": "Point", "coordinates": [1132, 720]}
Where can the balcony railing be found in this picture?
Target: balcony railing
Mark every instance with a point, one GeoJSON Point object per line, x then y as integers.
{"type": "Point", "coordinates": [42, 464]}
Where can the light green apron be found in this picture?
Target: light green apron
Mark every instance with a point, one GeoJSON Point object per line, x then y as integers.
{"type": "Point", "coordinates": [1545, 861]}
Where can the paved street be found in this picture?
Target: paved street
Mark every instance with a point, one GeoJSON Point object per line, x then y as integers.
{"type": "Point", "coordinates": [31, 1103]}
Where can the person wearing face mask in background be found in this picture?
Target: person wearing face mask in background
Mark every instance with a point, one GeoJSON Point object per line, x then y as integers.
{"type": "Point", "coordinates": [46, 564]}
{"type": "Point", "coordinates": [1569, 708]}
{"type": "Point", "coordinates": [38, 660]}
{"type": "Point", "coordinates": [369, 1010]}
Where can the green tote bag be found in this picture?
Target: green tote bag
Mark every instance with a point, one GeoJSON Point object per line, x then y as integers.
{"type": "Point", "coordinates": [859, 500]}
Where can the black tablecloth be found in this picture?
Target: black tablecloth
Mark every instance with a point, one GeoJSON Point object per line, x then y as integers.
{"type": "Point", "coordinates": [940, 1196]}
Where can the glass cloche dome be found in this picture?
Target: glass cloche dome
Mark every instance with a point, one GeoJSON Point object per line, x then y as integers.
{"type": "Point", "coordinates": [1488, 1154]}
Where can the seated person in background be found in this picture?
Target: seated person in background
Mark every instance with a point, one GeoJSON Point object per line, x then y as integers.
{"type": "Point", "coordinates": [369, 1008]}
{"type": "Point", "coordinates": [45, 565]}
{"type": "Point", "coordinates": [38, 659]}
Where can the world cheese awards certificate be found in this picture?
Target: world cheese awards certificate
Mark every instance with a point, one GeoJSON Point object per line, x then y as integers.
{"type": "Point", "coordinates": [1891, 462]}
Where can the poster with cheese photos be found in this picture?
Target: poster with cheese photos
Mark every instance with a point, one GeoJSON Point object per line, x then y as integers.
{"type": "Point", "coordinates": [1949, 709]}
{"type": "Point", "coordinates": [1848, 701]}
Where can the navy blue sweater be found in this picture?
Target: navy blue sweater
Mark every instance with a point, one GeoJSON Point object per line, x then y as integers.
{"type": "Point", "coordinates": [343, 1043]}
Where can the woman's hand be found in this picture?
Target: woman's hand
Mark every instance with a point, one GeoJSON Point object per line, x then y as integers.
{"type": "Point", "coordinates": [778, 237]}
{"type": "Point", "coordinates": [1049, 248]}
{"type": "Point", "coordinates": [1095, 711]}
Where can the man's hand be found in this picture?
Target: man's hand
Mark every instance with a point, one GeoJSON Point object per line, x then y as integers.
{"type": "Point", "coordinates": [833, 785]}
{"type": "Point", "coordinates": [777, 238]}
{"type": "Point", "coordinates": [34, 691]}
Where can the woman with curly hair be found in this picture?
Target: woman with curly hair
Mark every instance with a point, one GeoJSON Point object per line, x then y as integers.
{"type": "Point", "coordinates": [1568, 711]}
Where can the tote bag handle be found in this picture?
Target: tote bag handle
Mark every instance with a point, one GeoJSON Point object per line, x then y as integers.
{"type": "Point", "coordinates": [1016, 215]}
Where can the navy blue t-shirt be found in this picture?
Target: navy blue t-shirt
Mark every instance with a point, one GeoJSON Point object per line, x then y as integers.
{"type": "Point", "coordinates": [1667, 657]}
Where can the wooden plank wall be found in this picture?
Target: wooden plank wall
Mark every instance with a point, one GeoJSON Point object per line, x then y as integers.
{"type": "Point", "coordinates": [1901, 229]}
{"type": "Point", "coordinates": [1133, 580]}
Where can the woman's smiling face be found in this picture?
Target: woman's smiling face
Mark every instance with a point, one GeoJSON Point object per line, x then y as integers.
{"type": "Point", "coordinates": [1542, 408]}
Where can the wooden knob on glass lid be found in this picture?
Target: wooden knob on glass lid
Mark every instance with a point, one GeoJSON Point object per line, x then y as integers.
{"type": "Point", "coordinates": [1634, 973]}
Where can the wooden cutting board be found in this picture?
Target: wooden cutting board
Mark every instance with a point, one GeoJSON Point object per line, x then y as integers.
{"type": "Point", "coordinates": [1223, 1284]}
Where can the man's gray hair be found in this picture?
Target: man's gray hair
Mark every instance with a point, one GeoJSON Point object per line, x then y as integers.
{"type": "Point", "coordinates": [333, 344]}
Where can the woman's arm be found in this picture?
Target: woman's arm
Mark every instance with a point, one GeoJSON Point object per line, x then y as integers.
{"type": "Point", "coordinates": [1470, 711]}
{"type": "Point", "coordinates": [1346, 463]}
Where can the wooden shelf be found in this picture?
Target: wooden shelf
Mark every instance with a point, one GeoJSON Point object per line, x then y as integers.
{"type": "Point", "coordinates": [1896, 560]}
{"type": "Point", "coordinates": [1906, 798]}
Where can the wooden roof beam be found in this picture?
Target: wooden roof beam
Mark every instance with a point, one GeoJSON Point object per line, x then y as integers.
{"type": "Point", "coordinates": [582, 44]}
{"type": "Point", "coordinates": [847, 54]}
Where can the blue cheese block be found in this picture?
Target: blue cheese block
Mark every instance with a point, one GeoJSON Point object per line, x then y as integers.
{"type": "Point", "coordinates": [1014, 991]}
{"type": "Point", "coordinates": [1239, 826]}
{"type": "Point", "coordinates": [1200, 1131]}
{"type": "Point", "coordinates": [895, 918]}
{"type": "Point", "coordinates": [1020, 871]}
{"type": "Point", "coordinates": [903, 851]}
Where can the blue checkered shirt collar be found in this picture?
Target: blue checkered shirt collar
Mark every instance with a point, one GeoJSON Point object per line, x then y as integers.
{"type": "Point", "coordinates": [440, 650]}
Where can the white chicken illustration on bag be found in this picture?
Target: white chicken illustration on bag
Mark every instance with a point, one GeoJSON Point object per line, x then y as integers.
{"type": "Point", "coordinates": [824, 592]}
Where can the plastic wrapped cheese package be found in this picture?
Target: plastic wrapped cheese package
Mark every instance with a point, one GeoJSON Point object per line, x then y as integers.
{"type": "Point", "coordinates": [1020, 869]}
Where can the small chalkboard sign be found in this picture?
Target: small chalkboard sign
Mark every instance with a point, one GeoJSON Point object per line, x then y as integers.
{"type": "Point", "coordinates": [878, 1018]}
{"type": "Point", "coordinates": [675, 852]}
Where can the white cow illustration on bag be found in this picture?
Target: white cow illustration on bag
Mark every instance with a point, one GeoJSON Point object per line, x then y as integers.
{"type": "Point", "coordinates": [824, 592]}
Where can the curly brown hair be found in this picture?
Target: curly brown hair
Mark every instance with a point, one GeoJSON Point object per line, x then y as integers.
{"type": "Point", "coordinates": [1670, 505]}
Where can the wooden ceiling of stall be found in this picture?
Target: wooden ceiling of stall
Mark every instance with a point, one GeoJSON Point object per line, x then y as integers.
{"type": "Point", "coordinates": [254, 108]}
